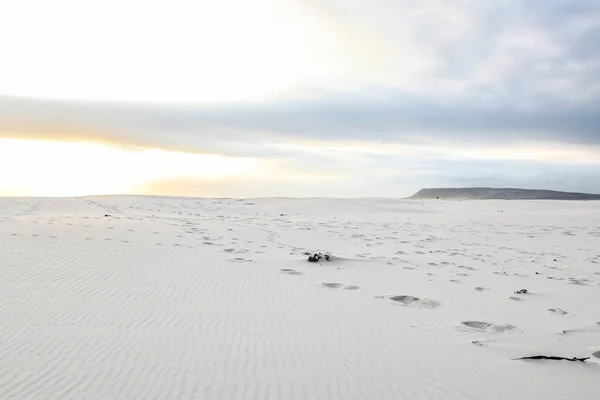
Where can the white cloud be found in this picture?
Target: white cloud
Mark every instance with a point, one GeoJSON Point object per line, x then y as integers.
{"type": "Point", "coordinates": [237, 50]}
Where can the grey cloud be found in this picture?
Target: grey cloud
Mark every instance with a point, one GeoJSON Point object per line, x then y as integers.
{"type": "Point", "coordinates": [542, 94]}
{"type": "Point", "coordinates": [414, 120]}
{"type": "Point", "coordinates": [266, 131]}
{"type": "Point", "coordinates": [537, 52]}
{"type": "Point", "coordinates": [258, 128]}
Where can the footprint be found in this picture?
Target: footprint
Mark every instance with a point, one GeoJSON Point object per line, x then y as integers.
{"type": "Point", "coordinates": [579, 282]}
{"type": "Point", "coordinates": [481, 289]}
{"type": "Point", "coordinates": [332, 285]}
{"type": "Point", "coordinates": [487, 326]}
{"type": "Point", "coordinates": [412, 301]}
{"type": "Point", "coordinates": [337, 285]}
{"type": "Point", "coordinates": [557, 311]}
{"type": "Point", "coordinates": [226, 250]}
{"type": "Point", "coordinates": [515, 298]}
{"type": "Point", "coordinates": [584, 331]}
{"type": "Point", "coordinates": [290, 271]}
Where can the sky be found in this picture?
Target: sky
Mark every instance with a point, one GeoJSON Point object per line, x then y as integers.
{"type": "Point", "coordinates": [299, 98]}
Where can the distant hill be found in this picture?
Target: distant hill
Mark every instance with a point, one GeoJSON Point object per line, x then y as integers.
{"type": "Point", "coordinates": [486, 193]}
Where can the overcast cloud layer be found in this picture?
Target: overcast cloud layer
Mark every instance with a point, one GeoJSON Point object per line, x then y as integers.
{"type": "Point", "coordinates": [407, 94]}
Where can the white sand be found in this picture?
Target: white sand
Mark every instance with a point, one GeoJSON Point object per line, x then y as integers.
{"type": "Point", "coordinates": [170, 298]}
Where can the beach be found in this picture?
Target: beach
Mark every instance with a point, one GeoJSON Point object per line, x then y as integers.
{"type": "Point", "coordinates": [149, 297]}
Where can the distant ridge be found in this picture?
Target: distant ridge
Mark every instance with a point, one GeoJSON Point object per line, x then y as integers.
{"type": "Point", "coordinates": [487, 193]}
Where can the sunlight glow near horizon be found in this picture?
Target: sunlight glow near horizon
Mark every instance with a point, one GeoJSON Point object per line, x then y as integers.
{"type": "Point", "coordinates": [44, 168]}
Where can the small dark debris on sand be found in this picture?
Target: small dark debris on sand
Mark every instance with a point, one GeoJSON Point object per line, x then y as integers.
{"type": "Point", "coordinates": [574, 359]}
{"type": "Point", "coordinates": [106, 215]}
{"type": "Point", "coordinates": [316, 257]}
{"type": "Point", "coordinates": [522, 291]}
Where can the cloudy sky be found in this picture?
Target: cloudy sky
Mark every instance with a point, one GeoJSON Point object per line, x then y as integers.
{"type": "Point", "coordinates": [298, 97]}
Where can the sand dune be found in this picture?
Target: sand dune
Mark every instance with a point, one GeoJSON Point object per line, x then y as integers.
{"type": "Point", "coordinates": [132, 297]}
